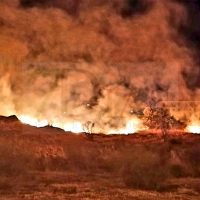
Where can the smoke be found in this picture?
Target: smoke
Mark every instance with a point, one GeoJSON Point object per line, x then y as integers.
{"type": "Point", "coordinates": [70, 6]}
{"type": "Point", "coordinates": [80, 61]}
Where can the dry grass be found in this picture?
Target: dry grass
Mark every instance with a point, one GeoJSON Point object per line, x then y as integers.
{"type": "Point", "coordinates": [69, 164]}
{"type": "Point", "coordinates": [15, 168]}
{"type": "Point", "coordinates": [194, 159]}
{"type": "Point", "coordinates": [143, 169]}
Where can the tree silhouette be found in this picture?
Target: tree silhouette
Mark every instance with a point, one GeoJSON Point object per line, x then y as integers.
{"type": "Point", "coordinates": [158, 118]}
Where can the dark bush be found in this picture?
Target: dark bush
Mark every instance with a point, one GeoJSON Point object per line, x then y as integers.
{"type": "Point", "coordinates": [15, 167]}
{"type": "Point", "coordinates": [178, 171]}
{"type": "Point", "coordinates": [144, 170]}
{"type": "Point", "coordinates": [194, 159]}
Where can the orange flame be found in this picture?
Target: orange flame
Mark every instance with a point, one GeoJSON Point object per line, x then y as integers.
{"type": "Point", "coordinates": [77, 127]}
{"type": "Point", "coordinates": [132, 126]}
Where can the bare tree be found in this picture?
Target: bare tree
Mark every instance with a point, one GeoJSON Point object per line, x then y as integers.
{"type": "Point", "coordinates": [88, 128]}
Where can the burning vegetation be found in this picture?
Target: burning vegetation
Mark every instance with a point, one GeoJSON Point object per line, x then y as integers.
{"type": "Point", "coordinates": [124, 74]}
{"type": "Point", "coordinates": [49, 162]}
{"type": "Point", "coordinates": [67, 63]}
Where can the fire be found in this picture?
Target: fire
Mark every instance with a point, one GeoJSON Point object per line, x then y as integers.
{"type": "Point", "coordinates": [131, 127]}
{"type": "Point", "coordinates": [194, 129]}
{"type": "Point", "coordinates": [32, 121]}
{"type": "Point", "coordinates": [77, 127]}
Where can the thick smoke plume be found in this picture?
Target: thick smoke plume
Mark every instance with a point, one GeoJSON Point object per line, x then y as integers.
{"type": "Point", "coordinates": [78, 61]}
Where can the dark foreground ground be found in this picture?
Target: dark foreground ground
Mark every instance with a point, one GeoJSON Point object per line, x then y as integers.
{"type": "Point", "coordinates": [48, 163]}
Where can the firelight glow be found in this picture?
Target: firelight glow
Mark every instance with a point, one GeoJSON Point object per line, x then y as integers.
{"type": "Point", "coordinates": [33, 121]}
{"type": "Point", "coordinates": [74, 127]}
{"type": "Point", "coordinates": [194, 129]}
{"type": "Point", "coordinates": [132, 126]}
{"type": "Point", "coordinates": [77, 127]}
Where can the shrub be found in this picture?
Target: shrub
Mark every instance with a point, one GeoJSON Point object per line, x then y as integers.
{"type": "Point", "coordinates": [143, 170]}
{"type": "Point", "coordinates": [14, 168]}
{"type": "Point", "coordinates": [11, 162]}
{"type": "Point", "coordinates": [178, 171]}
{"type": "Point", "coordinates": [160, 118]}
{"type": "Point", "coordinates": [194, 159]}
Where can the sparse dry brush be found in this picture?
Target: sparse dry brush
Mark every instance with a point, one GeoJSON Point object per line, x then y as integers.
{"type": "Point", "coordinates": [145, 166]}
{"type": "Point", "coordinates": [15, 167]}
{"type": "Point", "coordinates": [139, 166]}
{"type": "Point", "coordinates": [193, 155]}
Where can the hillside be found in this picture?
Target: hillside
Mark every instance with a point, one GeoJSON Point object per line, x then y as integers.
{"type": "Point", "coordinates": [104, 66]}
{"type": "Point", "coordinates": [40, 163]}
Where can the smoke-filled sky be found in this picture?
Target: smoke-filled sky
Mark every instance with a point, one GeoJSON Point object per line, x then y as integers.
{"type": "Point", "coordinates": [82, 60]}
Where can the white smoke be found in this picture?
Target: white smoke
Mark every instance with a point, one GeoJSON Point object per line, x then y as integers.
{"type": "Point", "coordinates": [97, 66]}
